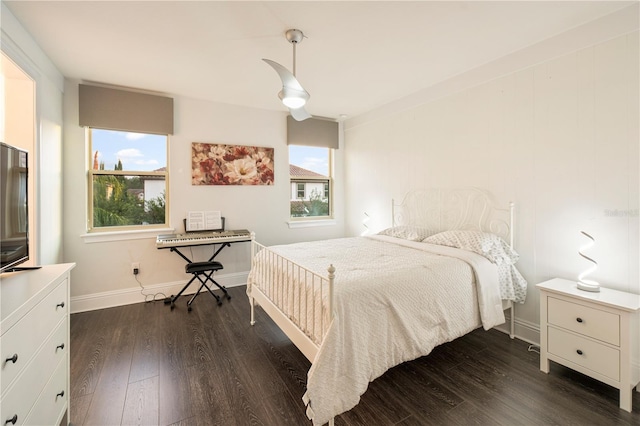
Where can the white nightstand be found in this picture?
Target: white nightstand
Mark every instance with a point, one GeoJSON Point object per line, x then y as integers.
{"type": "Point", "coordinates": [597, 334]}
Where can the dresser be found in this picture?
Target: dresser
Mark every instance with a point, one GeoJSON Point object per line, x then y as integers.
{"type": "Point", "coordinates": [34, 346]}
{"type": "Point", "coordinates": [597, 334]}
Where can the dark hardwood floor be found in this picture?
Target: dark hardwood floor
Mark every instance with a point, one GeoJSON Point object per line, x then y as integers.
{"type": "Point", "coordinates": [144, 364]}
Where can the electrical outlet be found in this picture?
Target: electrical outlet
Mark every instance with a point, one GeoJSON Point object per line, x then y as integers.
{"type": "Point", "coordinates": [135, 268]}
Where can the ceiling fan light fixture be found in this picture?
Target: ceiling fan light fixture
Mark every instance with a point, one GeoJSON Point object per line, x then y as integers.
{"type": "Point", "coordinates": [292, 95]}
{"type": "Point", "coordinates": [294, 102]}
{"type": "Point", "coordinates": [292, 98]}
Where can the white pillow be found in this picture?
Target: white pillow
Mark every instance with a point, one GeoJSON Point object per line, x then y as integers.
{"type": "Point", "coordinates": [411, 233]}
{"type": "Point", "coordinates": [488, 245]}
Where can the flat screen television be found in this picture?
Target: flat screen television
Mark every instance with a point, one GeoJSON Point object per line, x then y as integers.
{"type": "Point", "coordinates": [14, 209]}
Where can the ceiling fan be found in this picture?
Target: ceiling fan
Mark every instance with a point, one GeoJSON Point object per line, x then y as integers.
{"type": "Point", "coordinates": [293, 95]}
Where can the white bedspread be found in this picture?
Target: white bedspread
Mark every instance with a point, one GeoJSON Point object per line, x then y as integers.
{"type": "Point", "coordinates": [395, 301]}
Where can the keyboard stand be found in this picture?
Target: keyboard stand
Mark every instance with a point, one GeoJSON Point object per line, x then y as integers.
{"type": "Point", "coordinates": [222, 245]}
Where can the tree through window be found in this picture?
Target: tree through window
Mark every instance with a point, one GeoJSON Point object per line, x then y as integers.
{"type": "Point", "coordinates": [128, 179]}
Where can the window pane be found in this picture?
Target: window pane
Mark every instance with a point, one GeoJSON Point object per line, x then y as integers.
{"type": "Point", "coordinates": [133, 199]}
{"type": "Point", "coordinates": [310, 158]}
{"type": "Point", "coordinates": [113, 150]}
{"type": "Point", "coordinates": [309, 169]}
{"type": "Point", "coordinates": [128, 200]}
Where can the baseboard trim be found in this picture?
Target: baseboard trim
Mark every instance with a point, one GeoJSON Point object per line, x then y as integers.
{"type": "Point", "coordinates": [528, 331]}
{"type": "Point", "coordinates": [524, 330]}
{"type": "Point", "coordinates": [128, 296]}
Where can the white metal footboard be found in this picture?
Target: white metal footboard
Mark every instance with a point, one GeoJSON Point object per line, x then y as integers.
{"type": "Point", "coordinates": [297, 299]}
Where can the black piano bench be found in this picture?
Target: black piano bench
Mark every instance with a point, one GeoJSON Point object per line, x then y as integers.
{"type": "Point", "coordinates": [200, 269]}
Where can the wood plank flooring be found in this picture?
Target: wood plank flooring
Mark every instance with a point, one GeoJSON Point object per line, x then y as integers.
{"type": "Point", "coordinates": [144, 364]}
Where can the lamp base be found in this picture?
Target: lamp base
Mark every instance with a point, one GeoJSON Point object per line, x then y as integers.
{"type": "Point", "coordinates": [589, 287]}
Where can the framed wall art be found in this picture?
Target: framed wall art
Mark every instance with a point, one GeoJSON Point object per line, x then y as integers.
{"type": "Point", "coordinates": [217, 164]}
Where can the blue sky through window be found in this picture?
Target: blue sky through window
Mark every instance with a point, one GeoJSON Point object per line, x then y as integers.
{"type": "Point", "coordinates": [310, 158]}
{"type": "Point", "coordinates": [137, 151]}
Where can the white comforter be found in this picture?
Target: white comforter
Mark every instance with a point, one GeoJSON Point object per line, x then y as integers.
{"type": "Point", "coordinates": [395, 300]}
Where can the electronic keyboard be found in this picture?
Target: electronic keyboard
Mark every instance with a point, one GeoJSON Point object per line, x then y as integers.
{"type": "Point", "coordinates": [202, 238]}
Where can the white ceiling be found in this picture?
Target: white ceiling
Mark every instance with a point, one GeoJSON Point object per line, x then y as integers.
{"type": "Point", "coordinates": [358, 55]}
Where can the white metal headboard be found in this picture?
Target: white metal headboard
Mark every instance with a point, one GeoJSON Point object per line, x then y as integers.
{"type": "Point", "coordinates": [443, 209]}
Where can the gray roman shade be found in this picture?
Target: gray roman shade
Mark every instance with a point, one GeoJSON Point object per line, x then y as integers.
{"type": "Point", "coordinates": [114, 109]}
{"type": "Point", "coordinates": [312, 132]}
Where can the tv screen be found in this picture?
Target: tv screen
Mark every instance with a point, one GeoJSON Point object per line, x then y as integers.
{"type": "Point", "coordinates": [14, 217]}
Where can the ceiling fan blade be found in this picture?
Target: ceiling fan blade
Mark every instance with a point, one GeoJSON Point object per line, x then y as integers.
{"type": "Point", "coordinates": [299, 114]}
{"type": "Point", "coordinates": [288, 79]}
{"type": "Point", "coordinates": [291, 84]}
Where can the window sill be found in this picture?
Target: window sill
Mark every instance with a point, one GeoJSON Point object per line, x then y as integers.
{"type": "Point", "coordinates": [102, 237]}
{"type": "Point", "coordinates": [294, 224]}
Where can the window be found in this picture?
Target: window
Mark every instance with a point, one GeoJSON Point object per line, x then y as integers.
{"type": "Point", "coordinates": [128, 180]}
{"type": "Point", "coordinates": [310, 175]}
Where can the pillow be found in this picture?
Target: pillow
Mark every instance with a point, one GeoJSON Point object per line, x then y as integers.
{"type": "Point", "coordinates": [488, 245]}
{"type": "Point", "coordinates": [411, 233]}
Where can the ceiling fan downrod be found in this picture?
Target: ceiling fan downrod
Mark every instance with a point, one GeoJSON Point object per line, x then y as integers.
{"type": "Point", "coordinates": [294, 37]}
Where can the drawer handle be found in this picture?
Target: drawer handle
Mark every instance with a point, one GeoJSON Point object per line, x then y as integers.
{"type": "Point", "coordinates": [61, 346]}
{"type": "Point", "coordinates": [13, 359]}
{"type": "Point", "coordinates": [12, 420]}
{"type": "Point", "coordinates": [579, 319]}
{"type": "Point", "coordinates": [579, 352]}
{"type": "Point", "coordinates": [61, 394]}
{"type": "Point", "coordinates": [61, 305]}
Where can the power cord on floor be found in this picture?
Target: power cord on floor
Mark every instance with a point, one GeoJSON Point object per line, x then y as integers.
{"type": "Point", "coordinates": [149, 297]}
{"type": "Point", "coordinates": [534, 348]}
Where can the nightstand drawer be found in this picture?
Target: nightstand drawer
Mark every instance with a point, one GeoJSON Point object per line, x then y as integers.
{"type": "Point", "coordinates": [592, 355]}
{"type": "Point", "coordinates": [591, 322]}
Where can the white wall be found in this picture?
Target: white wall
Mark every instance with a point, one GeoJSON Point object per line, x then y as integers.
{"type": "Point", "coordinates": [559, 138]}
{"type": "Point", "coordinates": [45, 137]}
{"type": "Point", "coordinates": [103, 274]}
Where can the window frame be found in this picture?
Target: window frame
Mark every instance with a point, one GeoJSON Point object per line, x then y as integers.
{"type": "Point", "coordinates": [304, 190]}
{"type": "Point", "coordinates": [91, 173]}
{"type": "Point", "coordinates": [327, 218]}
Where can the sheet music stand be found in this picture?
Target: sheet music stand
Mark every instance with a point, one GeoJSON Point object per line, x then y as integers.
{"type": "Point", "coordinates": [184, 223]}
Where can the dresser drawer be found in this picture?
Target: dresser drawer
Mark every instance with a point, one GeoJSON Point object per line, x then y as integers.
{"type": "Point", "coordinates": [53, 399]}
{"type": "Point", "coordinates": [25, 389]}
{"type": "Point", "coordinates": [26, 336]}
{"type": "Point", "coordinates": [589, 354]}
{"type": "Point", "coordinates": [591, 322]}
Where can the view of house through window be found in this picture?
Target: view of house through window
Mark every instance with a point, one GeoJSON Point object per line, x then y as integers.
{"type": "Point", "coordinates": [128, 175]}
{"type": "Point", "coordinates": [310, 174]}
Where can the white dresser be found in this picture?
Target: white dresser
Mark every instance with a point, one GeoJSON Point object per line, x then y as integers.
{"type": "Point", "coordinates": [597, 334]}
{"type": "Point", "coordinates": [34, 345]}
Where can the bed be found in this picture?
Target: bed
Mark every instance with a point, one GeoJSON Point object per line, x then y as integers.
{"type": "Point", "coordinates": [357, 306]}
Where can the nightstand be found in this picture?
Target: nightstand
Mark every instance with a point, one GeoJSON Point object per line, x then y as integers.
{"type": "Point", "coordinates": [597, 334]}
